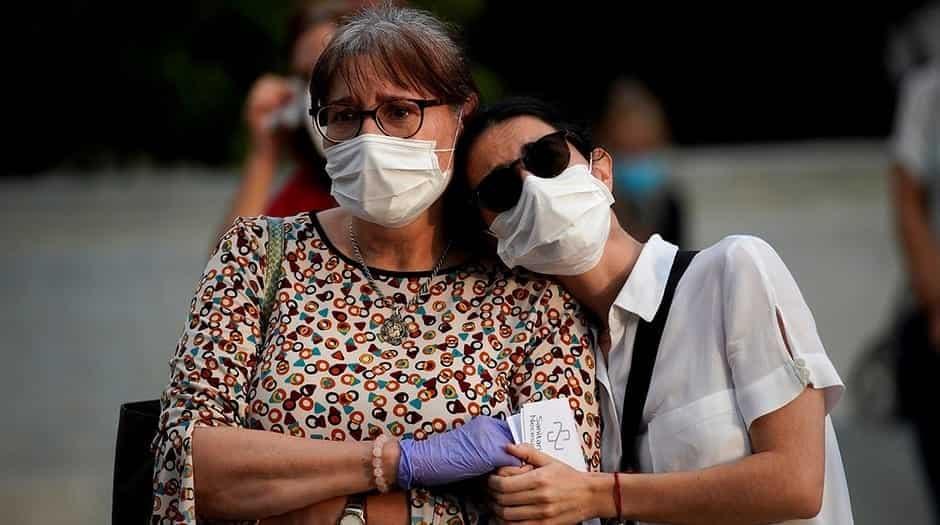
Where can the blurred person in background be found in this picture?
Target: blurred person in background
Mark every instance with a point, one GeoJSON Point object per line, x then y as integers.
{"type": "Point", "coordinates": [395, 349]}
{"type": "Point", "coordinates": [634, 128]}
{"type": "Point", "coordinates": [915, 181]}
{"type": "Point", "coordinates": [278, 125]}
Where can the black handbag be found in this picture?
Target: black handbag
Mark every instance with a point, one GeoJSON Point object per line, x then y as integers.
{"type": "Point", "coordinates": [133, 462]}
{"type": "Point", "coordinates": [132, 493]}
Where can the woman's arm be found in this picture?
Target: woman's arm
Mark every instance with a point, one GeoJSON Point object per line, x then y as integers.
{"type": "Point", "coordinates": [469, 451]}
{"type": "Point", "coordinates": [381, 509]}
{"type": "Point", "coordinates": [919, 244]}
{"type": "Point", "coordinates": [782, 480]}
{"type": "Point", "coordinates": [203, 451]}
{"type": "Point", "coordinates": [273, 473]}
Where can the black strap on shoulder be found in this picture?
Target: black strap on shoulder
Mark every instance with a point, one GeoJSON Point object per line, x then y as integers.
{"type": "Point", "coordinates": [645, 348]}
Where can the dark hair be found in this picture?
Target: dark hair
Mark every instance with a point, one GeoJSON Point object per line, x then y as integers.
{"type": "Point", "coordinates": [410, 48]}
{"type": "Point", "coordinates": [489, 116]}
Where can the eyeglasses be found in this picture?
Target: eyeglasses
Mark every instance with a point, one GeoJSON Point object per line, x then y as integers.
{"type": "Point", "coordinates": [547, 157]}
{"type": "Point", "coordinates": [396, 118]}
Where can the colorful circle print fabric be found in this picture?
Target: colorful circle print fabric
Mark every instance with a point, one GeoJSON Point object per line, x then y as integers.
{"type": "Point", "coordinates": [485, 340]}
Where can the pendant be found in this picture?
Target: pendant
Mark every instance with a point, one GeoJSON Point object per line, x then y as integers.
{"type": "Point", "coordinates": [392, 330]}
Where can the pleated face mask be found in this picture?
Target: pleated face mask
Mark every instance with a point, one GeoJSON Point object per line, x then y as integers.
{"type": "Point", "coordinates": [387, 180]}
{"type": "Point", "coordinates": [559, 226]}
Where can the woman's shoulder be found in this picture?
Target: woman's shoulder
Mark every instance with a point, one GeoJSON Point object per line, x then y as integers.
{"type": "Point", "coordinates": [737, 257]}
{"type": "Point", "coordinates": [530, 292]}
{"type": "Point", "coordinates": [745, 267]}
{"type": "Point", "coordinates": [302, 226]}
{"type": "Point", "coordinates": [250, 234]}
{"type": "Point", "coordinates": [245, 236]}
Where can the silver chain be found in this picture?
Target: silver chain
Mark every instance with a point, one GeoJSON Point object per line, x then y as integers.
{"type": "Point", "coordinates": [421, 291]}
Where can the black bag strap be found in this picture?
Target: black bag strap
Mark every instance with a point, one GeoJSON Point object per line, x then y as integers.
{"type": "Point", "coordinates": [645, 348]}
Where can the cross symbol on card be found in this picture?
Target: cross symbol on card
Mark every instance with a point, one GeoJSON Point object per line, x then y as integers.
{"type": "Point", "coordinates": [559, 434]}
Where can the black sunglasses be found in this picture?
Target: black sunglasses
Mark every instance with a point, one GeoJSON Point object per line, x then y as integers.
{"type": "Point", "coordinates": [547, 157]}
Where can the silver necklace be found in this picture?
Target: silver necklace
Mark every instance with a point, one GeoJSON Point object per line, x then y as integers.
{"type": "Point", "coordinates": [393, 329]}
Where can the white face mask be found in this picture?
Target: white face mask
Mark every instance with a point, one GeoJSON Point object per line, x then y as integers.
{"type": "Point", "coordinates": [387, 180]}
{"type": "Point", "coordinates": [559, 226]}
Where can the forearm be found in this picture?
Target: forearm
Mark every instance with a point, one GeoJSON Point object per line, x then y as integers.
{"type": "Point", "coordinates": [760, 488]}
{"type": "Point", "coordinates": [251, 474]}
{"type": "Point", "coordinates": [381, 509]}
{"type": "Point", "coordinates": [919, 244]}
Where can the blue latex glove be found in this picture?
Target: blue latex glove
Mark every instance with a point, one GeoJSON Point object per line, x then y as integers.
{"type": "Point", "coordinates": [474, 449]}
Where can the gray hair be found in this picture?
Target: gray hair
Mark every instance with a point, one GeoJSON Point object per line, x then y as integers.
{"type": "Point", "coordinates": [407, 47]}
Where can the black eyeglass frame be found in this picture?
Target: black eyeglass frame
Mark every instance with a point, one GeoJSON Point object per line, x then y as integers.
{"type": "Point", "coordinates": [510, 170]}
{"type": "Point", "coordinates": [422, 104]}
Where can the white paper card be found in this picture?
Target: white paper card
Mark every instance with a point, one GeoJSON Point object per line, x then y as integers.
{"type": "Point", "coordinates": [515, 427]}
{"type": "Point", "coordinates": [549, 427]}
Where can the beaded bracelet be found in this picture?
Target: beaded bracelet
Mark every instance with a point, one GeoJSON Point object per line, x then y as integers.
{"type": "Point", "coordinates": [377, 447]}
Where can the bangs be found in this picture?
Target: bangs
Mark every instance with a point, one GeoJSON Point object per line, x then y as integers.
{"type": "Point", "coordinates": [388, 65]}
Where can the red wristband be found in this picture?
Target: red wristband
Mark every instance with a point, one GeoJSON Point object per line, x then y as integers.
{"type": "Point", "coordinates": [617, 501]}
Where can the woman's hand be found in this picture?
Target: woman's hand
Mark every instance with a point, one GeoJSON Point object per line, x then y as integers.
{"type": "Point", "coordinates": [269, 94]}
{"type": "Point", "coordinates": [550, 493]}
{"type": "Point", "coordinates": [468, 451]}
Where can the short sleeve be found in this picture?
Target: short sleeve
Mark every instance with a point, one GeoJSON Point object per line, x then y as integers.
{"type": "Point", "coordinates": [759, 296]}
{"type": "Point", "coordinates": [212, 366]}
{"type": "Point", "coordinates": [919, 92]}
{"type": "Point", "coordinates": [558, 361]}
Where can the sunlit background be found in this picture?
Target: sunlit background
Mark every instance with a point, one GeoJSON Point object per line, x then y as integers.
{"type": "Point", "coordinates": [126, 135]}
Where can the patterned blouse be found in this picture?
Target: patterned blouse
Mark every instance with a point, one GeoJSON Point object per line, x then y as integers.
{"type": "Point", "coordinates": [483, 341]}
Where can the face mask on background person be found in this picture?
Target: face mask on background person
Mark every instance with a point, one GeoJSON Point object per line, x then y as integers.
{"type": "Point", "coordinates": [294, 114]}
{"type": "Point", "coordinates": [290, 115]}
{"type": "Point", "coordinates": [639, 177]}
{"type": "Point", "coordinates": [387, 180]}
{"type": "Point", "coordinates": [559, 226]}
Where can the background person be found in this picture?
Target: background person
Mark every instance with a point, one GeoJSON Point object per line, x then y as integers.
{"type": "Point", "coordinates": [635, 129]}
{"type": "Point", "coordinates": [279, 127]}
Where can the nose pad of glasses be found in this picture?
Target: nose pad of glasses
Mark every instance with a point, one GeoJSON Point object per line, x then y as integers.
{"type": "Point", "coordinates": [370, 127]}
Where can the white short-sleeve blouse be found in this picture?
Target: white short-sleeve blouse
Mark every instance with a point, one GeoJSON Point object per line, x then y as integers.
{"type": "Point", "coordinates": [722, 362]}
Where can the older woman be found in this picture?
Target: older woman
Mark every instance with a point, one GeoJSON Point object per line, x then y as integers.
{"type": "Point", "coordinates": [393, 348]}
